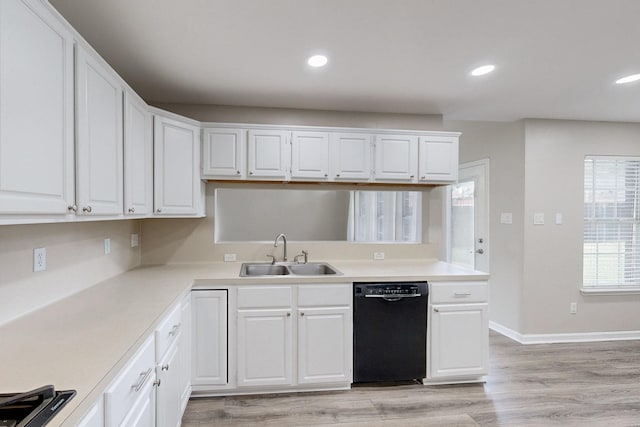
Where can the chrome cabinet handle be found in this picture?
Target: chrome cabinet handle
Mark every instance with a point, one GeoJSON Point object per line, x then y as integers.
{"type": "Point", "coordinates": [165, 367]}
{"type": "Point", "coordinates": [157, 382]}
{"type": "Point", "coordinates": [86, 209]}
{"type": "Point", "coordinates": [326, 175]}
{"type": "Point", "coordinates": [337, 175]}
{"type": "Point", "coordinates": [237, 172]}
{"type": "Point", "coordinates": [302, 314]}
{"type": "Point", "coordinates": [158, 210]}
{"type": "Point", "coordinates": [144, 376]}
{"type": "Point", "coordinates": [174, 331]}
{"type": "Point", "coordinates": [132, 210]}
{"type": "Point", "coordinates": [462, 294]}
{"type": "Point", "coordinates": [436, 310]}
{"type": "Point", "coordinates": [423, 177]}
{"type": "Point", "coordinates": [73, 208]}
{"type": "Point", "coordinates": [411, 176]}
{"type": "Point", "coordinates": [288, 314]}
{"type": "Point", "coordinates": [251, 173]}
{"type": "Point", "coordinates": [480, 251]}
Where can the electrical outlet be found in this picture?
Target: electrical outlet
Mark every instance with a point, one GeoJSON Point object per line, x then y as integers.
{"type": "Point", "coordinates": [573, 308]}
{"type": "Point", "coordinates": [134, 240]}
{"type": "Point", "coordinates": [506, 218]}
{"type": "Point", "coordinates": [558, 218]}
{"type": "Point", "coordinates": [378, 255]}
{"type": "Point", "coordinates": [107, 246]}
{"type": "Point", "coordinates": [39, 259]}
{"type": "Point", "coordinates": [538, 219]}
{"type": "Point", "coordinates": [229, 257]}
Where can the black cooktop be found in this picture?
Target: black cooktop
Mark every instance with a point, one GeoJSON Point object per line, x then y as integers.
{"type": "Point", "coordinates": [33, 408]}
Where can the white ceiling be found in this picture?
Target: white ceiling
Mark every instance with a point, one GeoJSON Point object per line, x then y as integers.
{"type": "Point", "coordinates": [554, 58]}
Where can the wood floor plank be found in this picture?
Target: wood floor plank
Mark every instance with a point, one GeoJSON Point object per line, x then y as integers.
{"type": "Point", "coordinates": [578, 384]}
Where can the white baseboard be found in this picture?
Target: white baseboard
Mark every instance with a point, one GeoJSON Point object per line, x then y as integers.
{"type": "Point", "coordinates": [564, 338]}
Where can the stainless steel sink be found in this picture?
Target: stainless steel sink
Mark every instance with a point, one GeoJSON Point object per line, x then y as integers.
{"type": "Point", "coordinates": [284, 269]}
{"type": "Point", "coordinates": [312, 269]}
{"type": "Point", "coordinates": [263, 270]}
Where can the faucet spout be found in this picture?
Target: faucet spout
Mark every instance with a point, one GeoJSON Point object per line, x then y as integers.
{"type": "Point", "coordinates": [284, 240]}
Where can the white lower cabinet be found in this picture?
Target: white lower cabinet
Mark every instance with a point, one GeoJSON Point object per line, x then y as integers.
{"type": "Point", "coordinates": [459, 325]}
{"type": "Point", "coordinates": [185, 353]}
{"type": "Point", "coordinates": [169, 408]}
{"type": "Point", "coordinates": [324, 344]}
{"type": "Point", "coordinates": [209, 346]}
{"type": "Point", "coordinates": [132, 393]}
{"type": "Point", "coordinates": [264, 347]}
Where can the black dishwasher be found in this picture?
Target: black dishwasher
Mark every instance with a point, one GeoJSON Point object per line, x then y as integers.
{"type": "Point", "coordinates": [389, 331]}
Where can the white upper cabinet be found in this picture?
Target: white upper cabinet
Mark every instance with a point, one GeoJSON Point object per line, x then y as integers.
{"type": "Point", "coordinates": [177, 186]}
{"type": "Point", "coordinates": [269, 154]}
{"type": "Point", "coordinates": [438, 158]}
{"type": "Point", "coordinates": [396, 158]}
{"type": "Point", "coordinates": [138, 156]}
{"type": "Point", "coordinates": [351, 156]}
{"type": "Point", "coordinates": [224, 153]}
{"type": "Point", "coordinates": [36, 110]}
{"type": "Point", "coordinates": [310, 155]}
{"type": "Point", "coordinates": [99, 141]}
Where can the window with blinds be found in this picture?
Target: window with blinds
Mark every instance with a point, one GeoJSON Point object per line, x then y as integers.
{"type": "Point", "coordinates": [385, 216]}
{"type": "Point", "coordinates": [611, 254]}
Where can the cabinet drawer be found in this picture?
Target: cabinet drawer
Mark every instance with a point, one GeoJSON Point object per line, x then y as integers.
{"type": "Point", "coordinates": [324, 295]}
{"type": "Point", "coordinates": [264, 296]}
{"type": "Point", "coordinates": [167, 331]}
{"type": "Point", "coordinates": [458, 292]}
{"type": "Point", "coordinates": [130, 384]}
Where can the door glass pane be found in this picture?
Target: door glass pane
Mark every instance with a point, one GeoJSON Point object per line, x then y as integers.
{"type": "Point", "coordinates": [462, 224]}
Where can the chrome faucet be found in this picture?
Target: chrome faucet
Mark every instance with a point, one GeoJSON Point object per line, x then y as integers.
{"type": "Point", "coordinates": [284, 240]}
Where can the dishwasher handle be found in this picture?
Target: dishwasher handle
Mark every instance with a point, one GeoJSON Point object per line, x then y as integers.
{"type": "Point", "coordinates": [394, 297]}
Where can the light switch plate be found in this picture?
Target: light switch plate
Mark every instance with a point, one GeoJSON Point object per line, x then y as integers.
{"type": "Point", "coordinates": [229, 257]}
{"type": "Point", "coordinates": [107, 246]}
{"type": "Point", "coordinates": [134, 240]}
{"type": "Point", "coordinates": [39, 259]}
{"type": "Point", "coordinates": [538, 219]}
{"type": "Point", "coordinates": [506, 218]}
{"type": "Point", "coordinates": [558, 218]}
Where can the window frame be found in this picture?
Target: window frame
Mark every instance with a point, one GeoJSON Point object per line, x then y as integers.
{"type": "Point", "coordinates": [590, 205]}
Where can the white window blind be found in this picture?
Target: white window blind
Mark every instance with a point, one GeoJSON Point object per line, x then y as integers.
{"type": "Point", "coordinates": [611, 255]}
{"type": "Point", "coordinates": [385, 216]}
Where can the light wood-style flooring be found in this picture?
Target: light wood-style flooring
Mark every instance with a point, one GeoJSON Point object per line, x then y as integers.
{"type": "Point", "coordinates": [582, 384]}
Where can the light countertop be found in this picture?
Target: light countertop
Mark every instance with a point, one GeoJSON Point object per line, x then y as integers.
{"type": "Point", "coordinates": [82, 341]}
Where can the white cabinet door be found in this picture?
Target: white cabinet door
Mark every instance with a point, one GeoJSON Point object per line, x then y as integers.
{"type": "Point", "coordinates": [209, 314]}
{"type": "Point", "coordinates": [459, 340]}
{"type": "Point", "coordinates": [36, 111]}
{"type": "Point", "coordinates": [324, 345]}
{"type": "Point", "coordinates": [264, 347]}
{"type": "Point", "coordinates": [169, 406]}
{"type": "Point", "coordinates": [351, 156]}
{"type": "Point", "coordinates": [138, 156]}
{"type": "Point", "coordinates": [99, 142]}
{"type": "Point", "coordinates": [223, 153]}
{"type": "Point", "coordinates": [396, 158]}
{"type": "Point", "coordinates": [438, 158]}
{"type": "Point", "coordinates": [143, 414]}
{"type": "Point", "coordinates": [310, 155]}
{"type": "Point", "coordinates": [269, 154]}
{"type": "Point", "coordinates": [177, 188]}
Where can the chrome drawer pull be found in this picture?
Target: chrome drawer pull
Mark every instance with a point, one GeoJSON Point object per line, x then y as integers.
{"type": "Point", "coordinates": [462, 294]}
{"type": "Point", "coordinates": [144, 376]}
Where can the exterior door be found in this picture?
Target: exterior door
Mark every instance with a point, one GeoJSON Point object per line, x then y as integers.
{"type": "Point", "coordinates": [468, 217]}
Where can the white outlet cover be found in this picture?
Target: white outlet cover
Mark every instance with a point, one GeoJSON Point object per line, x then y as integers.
{"type": "Point", "coordinates": [229, 257]}
{"type": "Point", "coordinates": [558, 218]}
{"type": "Point", "coordinates": [39, 259]}
{"type": "Point", "coordinates": [134, 240]}
{"type": "Point", "coordinates": [378, 256]}
{"type": "Point", "coordinates": [107, 246]}
{"type": "Point", "coordinates": [506, 218]}
{"type": "Point", "coordinates": [538, 219]}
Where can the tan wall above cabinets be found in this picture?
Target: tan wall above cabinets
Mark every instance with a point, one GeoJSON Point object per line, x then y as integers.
{"type": "Point", "coordinates": [278, 153]}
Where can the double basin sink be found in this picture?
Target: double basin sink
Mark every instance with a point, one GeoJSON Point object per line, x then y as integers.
{"type": "Point", "coordinates": [287, 269]}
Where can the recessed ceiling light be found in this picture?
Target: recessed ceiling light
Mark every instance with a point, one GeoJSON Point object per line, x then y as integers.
{"type": "Point", "coordinates": [628, 79]}
{"type": "Point", "coordinates": [481, 71]}
{"type": "Point", "coordinates": [317, 61]}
